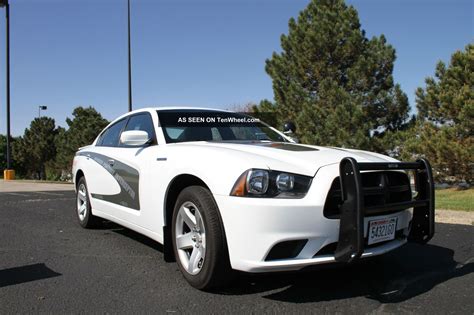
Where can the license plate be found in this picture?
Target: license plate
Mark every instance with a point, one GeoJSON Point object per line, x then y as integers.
{"type": "Point", "coordinates": [382, 230]}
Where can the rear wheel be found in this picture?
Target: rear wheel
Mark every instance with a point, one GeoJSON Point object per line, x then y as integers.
{"type": "Point", "coordinates": [83, 206]}
{"type": "Point", "coordinates": [199, 240]}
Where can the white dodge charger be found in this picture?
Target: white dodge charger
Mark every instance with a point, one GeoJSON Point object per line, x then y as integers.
{"type": "Point", "coordinates": [222, 191]}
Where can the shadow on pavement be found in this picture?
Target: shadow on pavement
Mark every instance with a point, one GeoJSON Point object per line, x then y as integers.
{"type": "Point", "coordinates": [391, 278]}
{"type": "Point", "coordinates": [395, 277]}
{"type": "Point", "coordinates": [27, 273]}
{"type": "Point", "coordinates": [111, 226]}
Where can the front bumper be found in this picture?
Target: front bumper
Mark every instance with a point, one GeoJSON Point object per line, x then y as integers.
{"type": "Point", "coordinates": [253, 226]}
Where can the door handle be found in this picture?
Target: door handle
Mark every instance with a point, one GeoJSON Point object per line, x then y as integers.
{"type": "Point", "coordinates": [111, 162]}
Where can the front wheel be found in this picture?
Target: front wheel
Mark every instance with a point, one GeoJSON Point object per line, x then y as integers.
{"type": "Point", "coordinates": [199, 240]}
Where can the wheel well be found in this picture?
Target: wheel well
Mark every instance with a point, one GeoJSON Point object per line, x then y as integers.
{"type": "Point", "coordinates": [79, 174]}
{"type": "Point", "coordinates": [178, 183]}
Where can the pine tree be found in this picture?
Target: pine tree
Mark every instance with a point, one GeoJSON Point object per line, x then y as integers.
{"type": "Point", "coordinates": [36, 147]}
{"type": "Point", "coordinates": [83, 128]}
{"type": "Point", "coordinates": [448, 99]}
{"type": "Point", "coordinates": [332, 81]}
{"type": "Point", "coordinates": [444, 133]}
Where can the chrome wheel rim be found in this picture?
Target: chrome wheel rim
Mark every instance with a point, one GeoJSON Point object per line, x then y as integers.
{"type": "Point", "coordinates": [190, 237]}
{"type": "Point", "coordinates": [81, 201]}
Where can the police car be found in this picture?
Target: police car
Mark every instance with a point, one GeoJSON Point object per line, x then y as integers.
{"type": "Point", "coordinates": [223, 191]}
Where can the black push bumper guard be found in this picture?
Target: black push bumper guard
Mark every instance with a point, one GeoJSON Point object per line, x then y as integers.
{"type": "Point", "coordinates": [351, 230]}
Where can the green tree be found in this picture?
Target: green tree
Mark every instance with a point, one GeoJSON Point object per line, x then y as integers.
{"type": "Point", "coordinates": [18, 167]}
{"type": "Point", "coordinates": [444, 133]}
{"type": "Point", "coordinates": [36, 147]}
{"type": "Point", "coordinates": [265, 111]}
{"type": "Point", "coordinates": [83, 128]}
{"type": "Point", "coordinates": [448, 99]}
{"type": "Point", "coordinates": [3, 153]}
{"type": "Point", "coordinates": [332, 81]}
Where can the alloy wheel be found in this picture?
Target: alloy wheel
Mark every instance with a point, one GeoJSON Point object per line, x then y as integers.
{"type": "Point", "coordinates": [82, 201]}
{"type": "Point", "coordinates": [190, 237]}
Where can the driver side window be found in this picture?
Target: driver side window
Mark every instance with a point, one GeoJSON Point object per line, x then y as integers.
{"type": "Point", "coordinates": [142, 122]}
{"type": "Point", "coordinates": [110, 137]}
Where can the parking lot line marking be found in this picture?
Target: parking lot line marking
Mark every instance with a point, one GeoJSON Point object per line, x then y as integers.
{"type": "Point", "coordinates": [15, 194]}
{"type": "Point", "coordinates": [44, 200]}
{"type": "Point", "coordinates": [47, 193]}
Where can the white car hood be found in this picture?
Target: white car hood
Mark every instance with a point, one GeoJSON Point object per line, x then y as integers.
{"type": "Point", "coordinates": [290, 157]}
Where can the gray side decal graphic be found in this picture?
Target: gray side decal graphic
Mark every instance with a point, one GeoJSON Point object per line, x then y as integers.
{"type": "Point", "coordinates": [126, 176]}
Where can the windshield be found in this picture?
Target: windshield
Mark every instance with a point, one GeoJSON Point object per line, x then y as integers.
{"type": "Point", "coordinates": [198, 125]}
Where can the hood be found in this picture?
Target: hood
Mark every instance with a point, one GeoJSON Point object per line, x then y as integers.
{"type": "Point", "coordinates": [291, 157]}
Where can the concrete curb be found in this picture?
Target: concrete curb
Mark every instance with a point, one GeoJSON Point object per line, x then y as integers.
{"type": "Point", "coordinates": [454, 217]}
{"type": "Point", "coordinates": [35, 181]}
{"type": "Point", "coordinates": [22, 185]}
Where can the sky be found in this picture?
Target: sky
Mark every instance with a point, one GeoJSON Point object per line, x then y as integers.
{"type": "Point", "coordinates": [208, 53]}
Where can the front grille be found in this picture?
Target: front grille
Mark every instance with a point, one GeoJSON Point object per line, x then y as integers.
{"type": "Point", "coordinates": [380, 189]}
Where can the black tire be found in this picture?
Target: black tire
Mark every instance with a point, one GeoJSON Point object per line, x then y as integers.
{"type": "Point", "coordinates": [87, 220]}
{"type": "Point", "coordinates": [215, 271]}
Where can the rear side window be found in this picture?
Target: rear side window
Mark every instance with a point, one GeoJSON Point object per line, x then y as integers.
{"type": "Point", "coordinates": [110, 137]}
{"type": "Point", "coordinates": [142, 122]}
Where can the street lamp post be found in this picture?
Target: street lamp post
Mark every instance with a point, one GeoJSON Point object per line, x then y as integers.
{"type": "Point", "coordinates": [40, 108]}
{"type": "Point", "coordinates": [9, 174]}
{"type": "Point", "coordinates": [129, 64]}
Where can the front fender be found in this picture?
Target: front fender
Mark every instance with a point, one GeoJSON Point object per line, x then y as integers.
{"type": "Point", "coordinates": [216, 168]}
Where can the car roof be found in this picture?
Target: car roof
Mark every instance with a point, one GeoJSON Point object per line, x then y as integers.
{"type": "Point", "coordinates": [149, 109]}
{"type": "Point", "coordinates": [185, 108]}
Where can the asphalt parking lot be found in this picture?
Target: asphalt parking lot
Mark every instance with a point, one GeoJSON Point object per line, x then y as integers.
{"type": "Point", "coordinates": [49, 264]}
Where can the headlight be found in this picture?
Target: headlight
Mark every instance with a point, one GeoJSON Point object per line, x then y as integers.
{"type": "Point", "coordinates": [285, 182]}
{"type": "Point", "coordinates": [267, 184]}
{"type": "Point", "coordinates": [257, 182]}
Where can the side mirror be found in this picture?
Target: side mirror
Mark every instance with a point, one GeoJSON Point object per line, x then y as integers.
{"type": "Point", "coordinates": [289, 128]}
{"type": "Point", "coordinates": [134, 137]}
